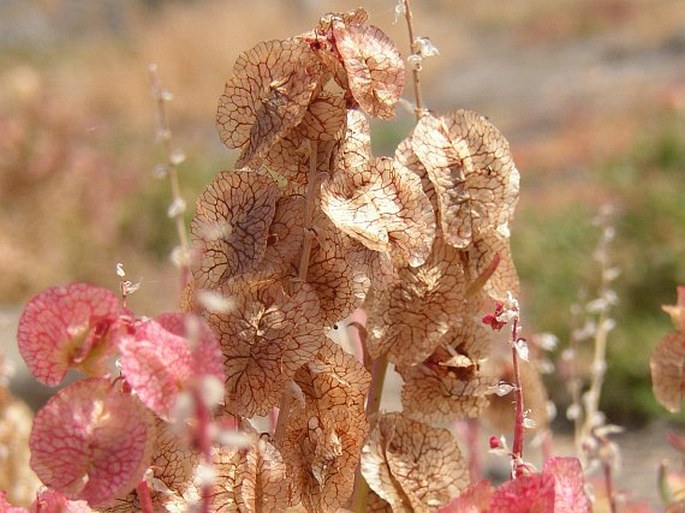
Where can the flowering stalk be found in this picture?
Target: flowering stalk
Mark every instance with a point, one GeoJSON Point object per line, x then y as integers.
{"type": "Point", "coordinates": [174, 158]}
{"type": "Point", "coordinates": [415, 66]}
{"type": "Point", "coordinates": [143, 491]}
{"type": "Point", "coordinates": [519, 419]}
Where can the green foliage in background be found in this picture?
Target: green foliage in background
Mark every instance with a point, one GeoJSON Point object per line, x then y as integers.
{"type": "Point", "coordinates": [554, 258]}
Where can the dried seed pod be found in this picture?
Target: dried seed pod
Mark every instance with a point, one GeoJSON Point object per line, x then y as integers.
{"type": "Point", "coordinates": [264, 340]}
{"type": "Point", "coordinates": [482, 254]}
{"type": "Point", "coordinates": [267, 96]}
{"type": "Point", "coordinates": [340, 282]}
{"type": "Point", "coordinates": [389, 213]}
{"type": "Point", "coordinates": [413, 466]}
{"type": "Point", "coordinates": [408, 319]}
{"type": "Point", "coordinates": [323, 438]}
{"type": "Point", "coordinates": [375, 68]}
{"type": "Point", "coordinates": [249, 480]}
{"type": "Point", "coordinates": [286, 235]}
{"type": "Point", "coordinates": [667, 363]}
{"type": "Point", "coordinates": [323, 123]}
{"type": "Point", "coordinates": [470, 165]}
{"type": "Point", "coordinates": [445, 387]}
{"type": "Point", "coordinates": [231, 225]}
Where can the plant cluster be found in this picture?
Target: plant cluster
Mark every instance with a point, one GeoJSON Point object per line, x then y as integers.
{"type": "Point", "coordinates": [242, 402]}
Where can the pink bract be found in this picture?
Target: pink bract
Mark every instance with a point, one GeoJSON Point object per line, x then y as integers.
{"type": "Point", "coordinates": [51, 501]}
{"type": "Point", "coordinates": [92, 442]}
{"type": "Point", "coordinates": [68, 327]}
{"type": "Point", "coordinates": [162, 359]}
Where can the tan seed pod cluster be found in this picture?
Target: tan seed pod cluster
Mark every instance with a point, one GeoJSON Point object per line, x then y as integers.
{"type": "Point", "coordinates": [312, 226]}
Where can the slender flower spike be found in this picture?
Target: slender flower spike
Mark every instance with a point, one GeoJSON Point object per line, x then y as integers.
{"type": "Point", "coordinates": [92, 442]}
{"type": "Point", "coordinates": [168, 355]}
{"type": "Point", "coordinates": [68, 327]}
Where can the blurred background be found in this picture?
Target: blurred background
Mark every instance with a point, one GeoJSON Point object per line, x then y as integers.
{"type": "Point", "coordinates": [590, 93]}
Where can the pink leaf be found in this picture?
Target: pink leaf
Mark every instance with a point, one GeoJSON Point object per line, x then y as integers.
{"type": "Point", "coordinates": [474, 499]}
{"type": "Point", "coordinates": [569, 496]}
{"type": "Point", "coordinates": [159, 362]}
{"type": "Point", "coordinates": [51, 501]}
{"type": "Point", "coordinates": [91, 442]}
{"type": "Point", "coordinates": [526, 494]}
{"type": "Point", "coordinates": [67, 327]}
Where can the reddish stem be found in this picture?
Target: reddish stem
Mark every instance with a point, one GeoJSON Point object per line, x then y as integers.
{"type": "Point", "coordinates": [517, 446]}
{"type": "Point", "coordinates": [204, 445]}
{"type": "Point", "coordinates": [144, 496]}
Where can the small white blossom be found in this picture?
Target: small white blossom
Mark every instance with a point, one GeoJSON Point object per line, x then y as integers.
{"type": "Point", "coordinates": [161, 170]}
{"type": "Point", "coordinates": [177, 157]}
{"type": "Point", "coordinates": [425, 47]}
{"type": "Point", "coordinates": [547, 341]}
{"type": "Point", "coordinates": [414, 61]}
{"type": "Point", "coordinates": [502, 388]}
{"type": "Point", "coordinates": [215, 302]}
{"type": "Point", "coordinates": [205, 474]}
{"type": "Point", "coordinates": [573, 412]}
{"type": "Point", "coordinates": [522, 349]}
{"type": "Point", "coordinates": [177, 208]}
{"type": "Point", "coordinates": [400, 11]}
{"type": "Point", "coordinates": [120, 270]}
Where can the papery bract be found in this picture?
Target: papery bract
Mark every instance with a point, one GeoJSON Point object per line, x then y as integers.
{"type": "Point", "coordinates": [268, 94]}
{"type": "Point", "coordinates": [413, 466]}
{"type": "Point", "coordinates": [68, 327]}
{"type": "Point", "coordinates": [91, 441]}
{"type": "Point", "coordinates": [167, 355]}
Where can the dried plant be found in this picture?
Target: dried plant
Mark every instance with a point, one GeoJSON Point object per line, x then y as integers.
{"type": "Point", "coordinates": [308, 228]}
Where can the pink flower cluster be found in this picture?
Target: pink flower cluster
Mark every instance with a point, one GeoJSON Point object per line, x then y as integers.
{"type": "Point", "coordinates": [93, 440]}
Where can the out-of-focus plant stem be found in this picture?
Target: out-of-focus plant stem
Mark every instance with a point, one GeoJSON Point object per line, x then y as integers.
{"type": "Point", "coordinates": [517, 445]}
{"type": "Point", "coordinates": [418, 96]}
{"type": "Point", "coordinates": [164, 134]}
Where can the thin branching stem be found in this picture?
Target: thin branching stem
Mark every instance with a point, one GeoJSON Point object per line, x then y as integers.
{"type": "Point", "coordinates": [416, 79]}
{"type": "Point", "coordinates": [517, 446]}
{"type": "Point", "coordinates": [173, 157]}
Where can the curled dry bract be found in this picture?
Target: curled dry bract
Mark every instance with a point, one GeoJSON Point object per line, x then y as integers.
{"type": "Point", "coordinates": [91, 441]}
{"type": "Point", "coordinates": [413, 466]}
{"type": "Point", "coordinates": [264, 340]}
{"type": "Point", "coordinates": [375, 68]}
{"type": "Point", "coordinates": [389, 213]}
{"type": "Point", "coordinates": [267, 96]}
{"type": "Point", "coordinates": [231, 225]}
{"type": "Point", "coordinates": [447, 386]}
{"type": "Point", "coordinates": [68, 327]}
{"type": "Point", "coordinates": [340, 282]}
{"type": "Point", "coordinates": [250, 480]}
{"type": "Point", "coordinates": [323, 437]}
{"type": "Point", "coordinates": [408, 319]}
{"type": "Point", "coordinates": [470, 165]}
